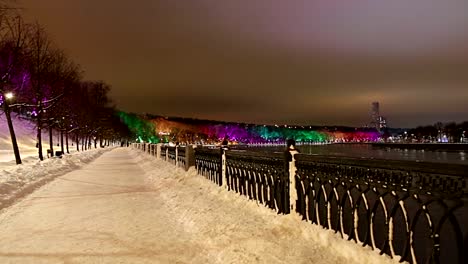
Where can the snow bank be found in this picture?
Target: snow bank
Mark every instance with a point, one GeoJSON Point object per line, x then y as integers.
{"type": "Point", "coordinates": [16, 181]}
{"type": "Point", "coordinates": [25, 132]}
{"type": "Point", "coordinates": [238, 230]}
{"type": "Point", "coordinates": [19, 180]}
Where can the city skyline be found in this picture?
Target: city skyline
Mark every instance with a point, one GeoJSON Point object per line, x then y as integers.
{"type": "Point", "coordinates": [301, 62]}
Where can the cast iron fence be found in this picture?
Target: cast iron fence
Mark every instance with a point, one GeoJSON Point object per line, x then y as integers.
{"type": "Point", "coordinates": [208, 164]}
{"type": "Point", "coordinates": [171, 155]}
{"type": "Point", "coordinates": [163, 154]}
{"type": "Point", "coordinates": [181, 157]}
{"type": "Point", "coordinates": [414, 210]}
{"type": "Point", "coordinates": [259, 177]}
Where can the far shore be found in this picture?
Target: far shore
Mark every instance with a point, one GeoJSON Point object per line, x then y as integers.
{"type": "Point", "coordinates": [425, 146]}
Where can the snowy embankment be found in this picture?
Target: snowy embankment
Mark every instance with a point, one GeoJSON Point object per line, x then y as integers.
{"type": "Point", "coordinates": [126, 207]}
{"type": "Point", "coordinates": [26, 137]}
{"type": "Point", "coordinates": [237, 230]}
{"type": "Point", "coordinates": [17, 181]}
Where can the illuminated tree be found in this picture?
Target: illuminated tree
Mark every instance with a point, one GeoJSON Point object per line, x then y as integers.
{"type": "Point", "coordinates": [143, 130]}
{"type": "Point", "coordinates": [12, 43]}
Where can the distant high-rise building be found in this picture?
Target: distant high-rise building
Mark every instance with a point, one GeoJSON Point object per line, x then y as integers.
{"type": "Point", "coordinates": [382, 122]}
{"type": "Point", "coordinates": [377, 121]}
{"type": "Point", "coordinates": [375, 114]}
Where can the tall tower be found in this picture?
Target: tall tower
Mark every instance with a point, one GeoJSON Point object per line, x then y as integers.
{"type": "Point", "coordinates": [375, 115]}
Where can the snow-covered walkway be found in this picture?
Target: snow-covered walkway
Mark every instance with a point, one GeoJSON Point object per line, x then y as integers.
{"type": "Point", "coordinates": [126, 207]}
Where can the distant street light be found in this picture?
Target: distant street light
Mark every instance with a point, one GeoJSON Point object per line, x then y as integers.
{"type": "Point", "coordinates": [9, 95]}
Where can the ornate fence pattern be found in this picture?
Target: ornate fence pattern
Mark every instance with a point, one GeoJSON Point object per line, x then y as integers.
{"type": "Point", "coordinates": [208, 164]}
{"type": "Point", "coordinates": [411, 210]}
{"type": "Point", "coordinates": [171, 155]}
{"type": "Point", "coordinates": [181, 157]}
{"type": "Point", "coordinates": [163, 152]}
{"type": "Point", "coordinates": [260, 177]}
{"type": "Point", "coordinates": [414, 210]}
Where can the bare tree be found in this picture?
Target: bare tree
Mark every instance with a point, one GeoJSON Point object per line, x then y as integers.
{"type": "Point", "coordinates": [67, 75]}
{"type": "Point", "coordinates": [40, 50]}
{"type": "Point", "coordinates": [59, 76]}
{"type": "Point", "coordinates": [13, 32]}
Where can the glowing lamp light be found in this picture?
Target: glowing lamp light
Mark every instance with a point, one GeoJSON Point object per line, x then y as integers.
{"type": "Point", "coordinates": [9, 95]}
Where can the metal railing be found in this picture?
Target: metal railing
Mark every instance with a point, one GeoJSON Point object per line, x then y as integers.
{"type": "Point", "coordinates": [259, 177]}
{"type": "Point", "coordinates": [408, 209]}
{"type": "Point", "coordinates": [181, 157]}
{"type": "Point", "coordinates": [171, 155]}
{"type": "Point", "coordinates": [208, 164]}
{"type": "Point", "coordinates": [163, 155]}
{"type": "Point", "coordinates": [414, 211]}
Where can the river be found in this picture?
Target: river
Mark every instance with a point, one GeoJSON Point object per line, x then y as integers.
{"type": "Point", "coordinates": [368, 151]}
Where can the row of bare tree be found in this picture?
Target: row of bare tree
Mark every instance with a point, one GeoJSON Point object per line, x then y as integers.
{"type": "Point", "coordinates": [39, 81]}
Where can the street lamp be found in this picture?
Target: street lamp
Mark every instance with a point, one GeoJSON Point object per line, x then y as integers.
{"type": "Point", "coordinates": [9, 95]}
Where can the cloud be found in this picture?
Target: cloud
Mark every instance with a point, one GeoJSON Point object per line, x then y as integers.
{"type": "Point", "coordinates": [300, 61]}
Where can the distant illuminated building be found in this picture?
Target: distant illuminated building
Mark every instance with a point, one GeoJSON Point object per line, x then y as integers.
{"type": "Point", "coordinates": [377, 121]}
{"type": "Point", "coordinates": [382, 122]}
{"type": "Point", "coordinates": [375, 114]}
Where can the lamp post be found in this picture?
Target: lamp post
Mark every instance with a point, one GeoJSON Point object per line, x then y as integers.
{"type": "Point", "coordinates": [8, 97]}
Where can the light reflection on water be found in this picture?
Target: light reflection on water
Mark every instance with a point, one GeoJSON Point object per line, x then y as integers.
{"type": "Point", "coordinates": [367, 151]}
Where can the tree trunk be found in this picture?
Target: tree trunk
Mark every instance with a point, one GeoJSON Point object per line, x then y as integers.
{"type": "Point", "coordinates": [39, 136]}
{"type": "Point", "coordinates": [77, 143]}
{"type": "Point", "coordinates": [14, 143]}
{"type": "Point", "coordinates": [51, 142]}
{"type": "Point", "coordinates": [66, 141]}
{"type": "Point", "coordinates": [95, 143]}
{"type": "Point", "coordinates": [61, 140]}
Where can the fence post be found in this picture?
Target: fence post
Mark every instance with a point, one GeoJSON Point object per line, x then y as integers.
{"type": "Point", "coordinates": [177, 155]}
{"type": "Point", "coordinates": [223, 168]}
{"type": "Point", "coordinates": [189, 157]}
{"type": "Point", "coordinates": [158, 151]}
{"type": "Point", "coordinates": [167, 154]}
{"type": "Point", "coordinates": [292, 181]}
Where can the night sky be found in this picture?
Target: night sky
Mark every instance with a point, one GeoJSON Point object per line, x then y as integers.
{"type": "Point", "coordinates": [271, 61]}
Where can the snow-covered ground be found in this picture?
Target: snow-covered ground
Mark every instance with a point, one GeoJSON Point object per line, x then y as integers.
{"type": "Point", "coordinates": [25, 132]}
{"type": "Point", "coordinates": [19, 180]}
{"type": "Point", "coordinates": [127, 207]}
